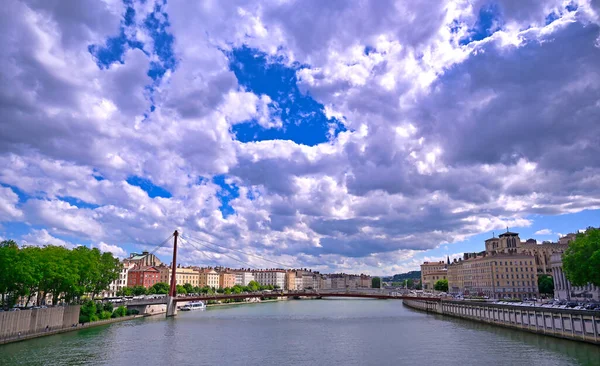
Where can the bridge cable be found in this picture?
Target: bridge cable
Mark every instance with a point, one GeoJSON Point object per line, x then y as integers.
{"type": "Point", "coordinates": [242, 252]}
{"type": "Point", "coordinates": [189, 240]}
{"type": "Point", "coordinates": [160, 245]}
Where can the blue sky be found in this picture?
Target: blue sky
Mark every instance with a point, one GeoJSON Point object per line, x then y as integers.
{"type": "Point", "coordinates": [328, 136]}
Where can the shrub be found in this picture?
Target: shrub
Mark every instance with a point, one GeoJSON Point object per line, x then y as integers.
{"type": "Point", "coordinates": [84, 319]}
{"type": "Point", "coordinates": [108, 306]}
{"type": "Point", "coordinates": [120, 311]}
{"type": "Point", "coordinates": [105, 315]}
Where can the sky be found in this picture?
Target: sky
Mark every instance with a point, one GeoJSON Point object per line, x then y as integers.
{"type": "Point", "coordinates": [342, 136]}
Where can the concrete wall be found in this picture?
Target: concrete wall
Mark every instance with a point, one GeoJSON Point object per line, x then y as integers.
{"type": "Point", "coordinates": [577, 325]}
{"type": "Point", "coordinates": [26, 322]}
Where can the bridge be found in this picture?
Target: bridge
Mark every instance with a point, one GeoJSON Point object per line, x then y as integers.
{"type": "Point", "coordinates": [172, 299]}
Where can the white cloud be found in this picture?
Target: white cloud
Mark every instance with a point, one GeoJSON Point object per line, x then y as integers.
{"type": "Point", "coordinates": [544, 232]}
{"type": "Point", "coordinates": [114, 249]}
{"type": "Point", "coordinates": [438, 145]}
{"type": "Point", "coordinates": [42, 238]}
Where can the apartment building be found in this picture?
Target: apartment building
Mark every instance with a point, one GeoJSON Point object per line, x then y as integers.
{"type": "Point", "coordinates": [496, 276]}
{"type": "Point", "coordinates": [143, 276]}
{"type": "Point", "coordinates": [275, 277]}
{"type": "Point", "coordinates": [183, 275]}
{"type": "Point", "coordinates": [243, 278]}
{"type": "Point", "coordinates": [209, 277]}
{"type": "Point", "coordinates": [226, 279]}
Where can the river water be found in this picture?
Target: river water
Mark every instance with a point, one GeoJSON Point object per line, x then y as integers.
{"type": "Point", "coordinates": [300, 332]}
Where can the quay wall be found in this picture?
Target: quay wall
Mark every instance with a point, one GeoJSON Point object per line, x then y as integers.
{"type": "Point", "coordinates": [578, 325]}
{"type": "Point", "coordinates": [14, 324]}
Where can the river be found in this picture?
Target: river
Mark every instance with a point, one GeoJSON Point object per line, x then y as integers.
{"type": "Point", "coordinates": [301, 332]}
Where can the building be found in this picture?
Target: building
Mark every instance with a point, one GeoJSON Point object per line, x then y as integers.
{"type": "Point", "coordinates": [144, 259]}
{"type": "Point", "coordinates": [121, 282]}
{"type": "Point", "coordinates": [145, 276]}
{"type": "Point", "coordinates": [427, 270]}
{"type": "Point", "coordinates": [510, 242]}
{"type": "Point", "coordinates": [366, 281]}
{"type": "Point", "coordinates": [564, 290]}
{"type": "Point", "coordinates": [325, 283]}
{"type": "Point", "coordinates": [183, 275]}
{"type": "Point", "coordinates": [226, 279]}
{"type": "Point", "coordinates": [290, 280]}
{"type": "Point", "coordinates": [209, 277]}
{"type": "Point", "coordinates": [500, 275]}
{"type": "Point", "coordinates": [243, 278]}
{"type": "Point", "coordinates": [431, 278]}
{"type": "Point", "coordinates": [275, 278]}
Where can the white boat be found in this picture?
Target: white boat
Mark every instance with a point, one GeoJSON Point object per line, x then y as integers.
{"type": "Point", "coordinates": [195, 305]}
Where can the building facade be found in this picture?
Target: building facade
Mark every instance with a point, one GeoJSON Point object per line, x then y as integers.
{"type": "Point", "coordinates": [496, 276]}
{"type": "Point", "coordinates": [121, 282]}
{"type": "Point", "coordinates": [290, 280]}
{"type": "Point", "coordinates": [564, 290]}
{"type": "Point", "coordinates": [226, 279]}
{"type": "Point", "coordinates": [243, 278]}
{"type": "Point", "coordinates": [209, 277]}
{"type": "Point", "coordinates": [274, 278]}
{"type": "Point", "coordinates": [143, 276]}
{"type": "Point", "coordinates": [427, 276]}
{"type": "Point", "coordinates": [429, 279]}
{"type": "Point", "coordinates": [183, 275]}
{"type": "Point", "coordinates": [510, 242]}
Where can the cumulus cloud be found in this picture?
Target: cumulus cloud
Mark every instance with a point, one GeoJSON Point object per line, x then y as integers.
{"type": "Point", "coordinates": [443, 138]}
{"type": "Point", "coordinates": [43, 237]}
{"type": "Point", "coordinates": [114, 249]}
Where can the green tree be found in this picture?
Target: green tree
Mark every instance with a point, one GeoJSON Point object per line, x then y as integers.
{"type": "Point", "coordinates": [376, 282]}
{"type": "Point", "coordinates": [120, 311]}
{"type": "Point", "coordinates": [139, 290]}
{"type": "Point", "coordinates": [108, 306]}
{"type": "Point", "coordinates": [125, 291]}
{"type": "Point", "coordinates": [160, 288]}
{"type": "Point", "coordinates": [109, 269]}
{"type": "Point", "coordinates": [253, 286]}
{"type": "Point", "coordinates": [180, 289]}
{"type": "Point", "coordinates": [10, 270]}
{"type": "Point", "coordinates": [188, 288]}
{"type": "Point", "coordinates": [581, 260]}
{"type": "Point", "coordinates": [546, 284]}
{"type": "Point", "coordinates": [87, 312]}
{"type": "Point", "coordinates": [441, 285]}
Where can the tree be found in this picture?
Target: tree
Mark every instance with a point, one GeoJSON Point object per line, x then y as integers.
{"type": "Point", "coordinates": [180, 289]}
{"type": "Point", "coordinates": [546, 284]}
{"type": "Point", "coordinates": [125, 291]}
{"type": "Point", "coordinates": [581, 260]}
{"type": "Point", "coordinates": [441, 285]}
{"type": "Point", "coordinates": [160, 288]}
{"type": "Point", "coordinates": [253, 286]}
{"type": "Point", "coordinates": [376, 282]}
{"type": "Point", "coordinates": [188, 288]}
{"type": "Point", "coordinates": [139, 290]}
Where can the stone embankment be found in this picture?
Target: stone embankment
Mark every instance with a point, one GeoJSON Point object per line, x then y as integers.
{"type": "Point", "coordinates": [26, 324]}
{"type": "Point", "coordinates": [578, 325]}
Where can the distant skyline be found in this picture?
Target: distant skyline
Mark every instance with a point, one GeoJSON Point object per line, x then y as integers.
{"type": "Point", "coordinates": [341, 136]}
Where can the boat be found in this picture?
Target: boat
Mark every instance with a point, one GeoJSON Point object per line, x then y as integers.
{"type": "Point", "coordinates": [194, 305]}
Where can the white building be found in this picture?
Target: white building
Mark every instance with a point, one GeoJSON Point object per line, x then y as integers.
{"type": "Point", "coordinates": [121, 282]}
{"type": "Point", "coordinates": [562, 287]}
{"type": "Point", "coordinates": [270, 277]}
{"type": "Point", "coordinates": [325, 283]}
{"type": "Point", "coordinates": [243, 278]}
{"type": "Point", "coordinates": [299, 283]}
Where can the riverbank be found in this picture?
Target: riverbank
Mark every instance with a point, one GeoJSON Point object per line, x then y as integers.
{"type": "Point", "coordinates": [245, 302]}
{"type": "Point", "coordinates": [577, 325]}
{"type": "Point", "coordinates": [20, 338]}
